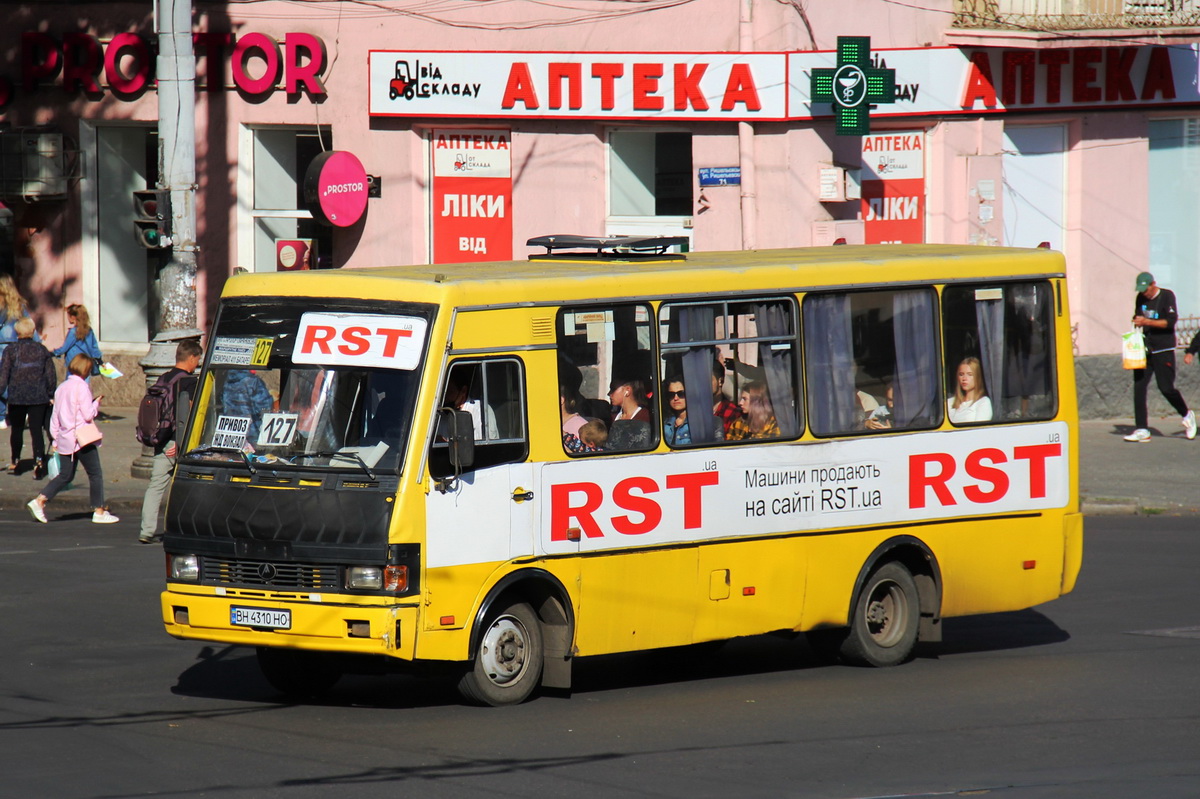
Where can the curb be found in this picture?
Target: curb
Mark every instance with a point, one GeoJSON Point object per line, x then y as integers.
{"type": "Point", "coordinates": [65, 504]}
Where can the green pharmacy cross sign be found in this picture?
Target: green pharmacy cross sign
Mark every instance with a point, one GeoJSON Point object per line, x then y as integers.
{"type": "Point", "coordinates": [853, 85]}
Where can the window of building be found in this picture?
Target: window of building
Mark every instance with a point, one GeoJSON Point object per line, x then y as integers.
{"type": "Point", "coordinates": [1004, 336]}
{"type": "Point", "coordinates": [871, 361]}
{"type": "Point", "coordinates": [280, 158]}
{"type": "Point", "coordinates": [607, 393]}
{"type": "Point", "coordinates": [729, 371]}
{"type": "Point", "coordinates": [1174, 194]}
{"type": "Point", "coordinates": [650, 173]}
{"type": "Point", "coordinates": [493, 393]}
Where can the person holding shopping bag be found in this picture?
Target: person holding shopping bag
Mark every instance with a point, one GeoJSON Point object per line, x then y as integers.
{"type": "Point", "coordinates": [77, 438]}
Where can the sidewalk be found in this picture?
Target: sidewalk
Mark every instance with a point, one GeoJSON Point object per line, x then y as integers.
{"type": "Point", "coordinates": [1115, 476]}
{"type": "Point", "coordinates": [122, 492]}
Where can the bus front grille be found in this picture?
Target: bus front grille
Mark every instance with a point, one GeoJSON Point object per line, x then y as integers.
{"type": "Point", "coordinates": [266, 574]}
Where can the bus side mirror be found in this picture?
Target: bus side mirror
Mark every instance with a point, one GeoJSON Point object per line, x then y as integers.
{"type": "Point", "coordinates": [458, 429]}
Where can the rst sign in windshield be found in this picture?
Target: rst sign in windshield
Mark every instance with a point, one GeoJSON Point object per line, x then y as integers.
{"type": "Point", "coordinates": [366, 340]}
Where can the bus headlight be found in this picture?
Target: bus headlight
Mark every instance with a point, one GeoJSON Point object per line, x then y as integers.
{"type": "Point", "coordinates": [185, 567]}
{"type": "Point", "coordinates": [377, 578]}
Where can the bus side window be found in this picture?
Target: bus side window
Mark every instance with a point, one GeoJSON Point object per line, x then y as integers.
{"type": "Point", "coordinates": [871, 361]}
{"type": "Point", "coordinates": [1005, 334]}
{"type": "Point", "coordinates": [493, 393]}
{"type": "Point", "coordinates": [607, 396]}
{"type": "Point", "coordinates": [729, 371]}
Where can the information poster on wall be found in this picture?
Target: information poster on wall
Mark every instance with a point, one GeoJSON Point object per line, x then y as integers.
{"type": "Point", "coordinates": [893, 188]}
{"type": "Point", "coordinates": [472, 195]}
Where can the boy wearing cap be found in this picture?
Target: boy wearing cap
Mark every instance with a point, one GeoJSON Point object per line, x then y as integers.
{"type": "Point", "coordinates": [1155, 313]}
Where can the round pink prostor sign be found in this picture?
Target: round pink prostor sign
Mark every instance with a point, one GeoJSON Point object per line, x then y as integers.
{"type": "Point", "coordinates": [335, 188]}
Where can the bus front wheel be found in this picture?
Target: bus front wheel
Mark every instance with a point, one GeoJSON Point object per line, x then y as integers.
{"type": "Point", "coordinates": [295, 674]}
{"type": "Point", "coordinates": [508, 661]}
{"type": "Point", "coordinates": [883, 629]}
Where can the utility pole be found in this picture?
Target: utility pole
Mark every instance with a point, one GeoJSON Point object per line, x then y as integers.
{"type": "Point", "coordinates": [176, 74]}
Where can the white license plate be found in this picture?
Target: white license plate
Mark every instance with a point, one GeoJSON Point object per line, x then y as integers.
{"type": "Point", "coordinates": [267, 618]}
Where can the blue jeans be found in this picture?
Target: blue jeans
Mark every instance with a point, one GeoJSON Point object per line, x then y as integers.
{"type": "Point", "coordinates": [89, 456]}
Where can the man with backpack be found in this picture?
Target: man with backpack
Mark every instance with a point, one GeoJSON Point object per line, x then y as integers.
{"type": "Point", "coordinates": [158, 425]}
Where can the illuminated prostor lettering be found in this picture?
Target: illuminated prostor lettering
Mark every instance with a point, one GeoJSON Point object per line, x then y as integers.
{"type": "Point", "coordinates": [578, 504]}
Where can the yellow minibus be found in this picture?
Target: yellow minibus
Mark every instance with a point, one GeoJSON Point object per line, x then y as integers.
{"type": "Point", "coordinates": [502, 467]}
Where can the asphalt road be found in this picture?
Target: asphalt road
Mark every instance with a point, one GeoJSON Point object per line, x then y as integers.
{"type": "Point", "coordinates": [1090, 696]}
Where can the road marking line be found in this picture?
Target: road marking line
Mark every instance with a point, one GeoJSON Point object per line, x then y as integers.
{"type": "Point", "coordinates": [20, 552]}
{"type": "Point", "coordinates": [1171, 632]}
{"type": "Point", "coordinates": [79, 549]}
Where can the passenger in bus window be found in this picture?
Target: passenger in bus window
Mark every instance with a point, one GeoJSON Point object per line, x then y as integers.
{"type": "Point", "coordinates": [594, 434]}
{"type": "Point", "coordinates": [723, 408]}
{"type": "Point", "coordinates": [881, 417]}
{"type": "Point", "coordinates": [758, 418]}
{"type": "Point", "coordinates": [970, 402]}
{"type": "Point", "coordinates": [568, 408]}
{"type": "Point", "coordinates": [629, 401]}
{"type": "Point", "coordinates": [675, 429]}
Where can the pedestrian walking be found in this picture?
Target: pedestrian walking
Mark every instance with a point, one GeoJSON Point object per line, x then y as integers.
{"type": "Point", "coordinates": [12, 308]}
{"type": "Point", "coordinates": [1155, 314]}
{"type": "Point", "coordinates": [179, 381]}
{"type": "Point", "coordinates": [27, 374]}
{"type": "Point", "coordinates": [77, 438]}
{"type": "Point", "coordinates": [80, 338]}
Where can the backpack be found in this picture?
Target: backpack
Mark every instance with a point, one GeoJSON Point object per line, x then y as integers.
{"type": "Point", "coordinates": [156, 412]}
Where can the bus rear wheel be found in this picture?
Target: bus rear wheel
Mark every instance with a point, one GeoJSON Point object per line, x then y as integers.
{"type": "Point", "coordinates": [295, 674]}
{"type": "Point", "coordinates": [508, 661]}
{"type": "Point", "coordinates": [883, 629]}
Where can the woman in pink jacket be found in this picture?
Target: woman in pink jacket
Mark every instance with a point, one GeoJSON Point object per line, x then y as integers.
{"type": "Point", "coordinates": [74, 408]}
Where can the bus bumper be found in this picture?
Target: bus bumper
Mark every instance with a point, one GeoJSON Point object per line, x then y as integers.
{"type": "Point", "coordinates": [327, 625]}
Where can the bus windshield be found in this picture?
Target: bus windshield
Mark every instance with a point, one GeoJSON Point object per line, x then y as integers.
{"type": "Point", "coordinates": [266, 402]}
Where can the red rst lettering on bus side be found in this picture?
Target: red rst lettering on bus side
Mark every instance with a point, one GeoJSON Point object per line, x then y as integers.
{"type": "Point", "coordinates": [919, 479]}
{"type": "Point", "coordinates": [691, 484]}
{"type": "Point", "coordinates": [650, 510]}
{"type": "Point", "coordinates": [562, 512]}
{"type": "Point", "coordinates": [997, 477]}
{"type": "Point", "coordinates": [1037, 454]}
{"type": "Point", "coordinates": [317, 336]}
{"type": "Point", "coordinates": [356, 341]}
{"type": "Point", "coordinates": [392, 336]}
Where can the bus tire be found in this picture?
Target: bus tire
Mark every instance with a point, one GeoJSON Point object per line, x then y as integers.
{"type": "Point", "coordinates": [887, 612]}
{"type": "Point", "coordinates": [296, 674]}
{"type": "Point", "coordinates": [508, 660]}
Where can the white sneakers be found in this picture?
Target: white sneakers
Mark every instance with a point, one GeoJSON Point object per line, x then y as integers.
{"type": "Point", "coordinates": [37, 509]}
{"type": "Point", "coordinates": [39, 512]}
{"type": "Point", "coordinates": [1142, 435]}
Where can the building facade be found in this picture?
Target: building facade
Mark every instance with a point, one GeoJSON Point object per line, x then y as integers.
{"type": "Point", "coordinates": [481, 125]}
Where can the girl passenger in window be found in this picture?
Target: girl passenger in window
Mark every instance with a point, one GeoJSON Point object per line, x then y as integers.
{"type": "Point", "coordinates": [758, 418]}
{"type": "Point", "coordinates": [970, 402]}
{"type": "Point", "coordinates": [628, 398]}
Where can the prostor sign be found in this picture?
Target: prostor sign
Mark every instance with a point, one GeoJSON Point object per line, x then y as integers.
{"type": "Point", "coordinates": [80, 63]}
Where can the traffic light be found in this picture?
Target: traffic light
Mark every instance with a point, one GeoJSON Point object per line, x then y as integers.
{"type": "Point", "coordinates": [152, 218]}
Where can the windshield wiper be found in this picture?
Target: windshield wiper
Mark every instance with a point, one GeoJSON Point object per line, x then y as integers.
{"type": "Point", "coordinates": [354, 456]}
{"type": "Point", "coordinates": [236, 455]}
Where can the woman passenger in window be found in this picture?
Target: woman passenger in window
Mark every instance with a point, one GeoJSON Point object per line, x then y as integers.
{"type": "Point", "coordinates": [675, 429]}
{"type": "Point", "coordinates": [970, 402]}
{"type": "Point", "coordinates": [628, 398]}
{"type": "Point", "coordinates": [758, 418]}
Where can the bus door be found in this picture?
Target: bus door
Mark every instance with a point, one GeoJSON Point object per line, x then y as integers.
{"type": "Point", "coordinates": [482, 513]}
